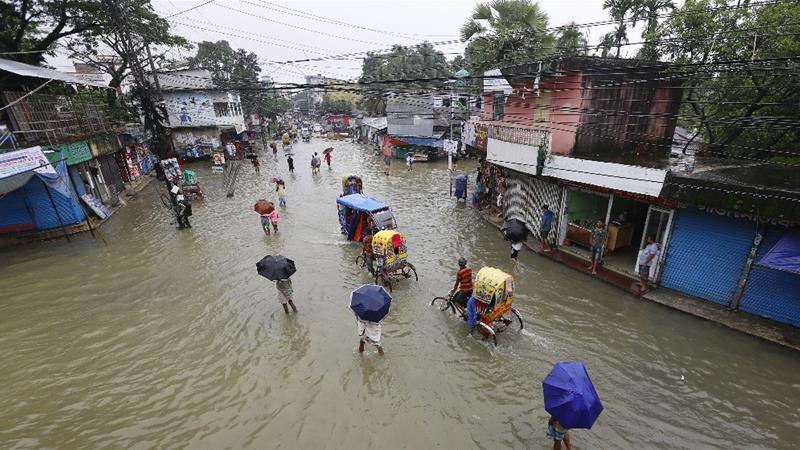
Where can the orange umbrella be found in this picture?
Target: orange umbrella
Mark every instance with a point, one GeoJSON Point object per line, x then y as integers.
{"type": "Point", "coordinates": [264, 207]}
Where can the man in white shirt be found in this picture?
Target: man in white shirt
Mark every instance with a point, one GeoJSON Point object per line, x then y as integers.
{"type": "Point", "coordinates": [646, 258]}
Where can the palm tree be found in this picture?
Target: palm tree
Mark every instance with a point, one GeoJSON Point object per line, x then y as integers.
{"type": "Point", "coordinates": [571, 41]}
{"type": "Point", "coordinates": [648, 11]}
{"type": "Point", "coordinates": [505, 32]}
{"type": "Point", "coordinates": [619, 11]}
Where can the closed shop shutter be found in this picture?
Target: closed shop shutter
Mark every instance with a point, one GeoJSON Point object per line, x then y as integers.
{"type": "Point", "coordinates": [525, 196]}
{"type": "Point", "coordinates": [771, 293]}
{"type": "Point", "coordinates": [108, 165]}
{"type": "Point", "coordinates": [706, 254]}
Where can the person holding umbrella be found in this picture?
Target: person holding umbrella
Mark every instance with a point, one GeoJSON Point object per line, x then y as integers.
{"type": "Point", "coordinates": [264, 208]}
{"type": "Point", "coordinates": [370, 303]}
{"type": "Point", "coordinates": [327, 153]}
{"type": "Point", "coordinates": [278, 268]}
{"type": "Point", "coordinates": [571, 400]}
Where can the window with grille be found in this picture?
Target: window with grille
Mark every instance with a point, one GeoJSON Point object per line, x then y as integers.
{"type": "Point", "coordinates": [498, 106]}
{"type": "Point", "coordinates": [222, 109]}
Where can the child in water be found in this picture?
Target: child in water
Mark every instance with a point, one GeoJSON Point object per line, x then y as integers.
{"type": "Point", "coordinates": [270, 219]}
{"type": "Point", "coordinates": [558, 433]}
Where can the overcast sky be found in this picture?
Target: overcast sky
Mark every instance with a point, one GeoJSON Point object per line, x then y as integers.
{"type": "Point", "coordinates": [275, 33]}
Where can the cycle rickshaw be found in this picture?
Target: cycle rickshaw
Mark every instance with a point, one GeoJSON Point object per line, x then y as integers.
{"type": "Point", "coordinates": [494, 295]}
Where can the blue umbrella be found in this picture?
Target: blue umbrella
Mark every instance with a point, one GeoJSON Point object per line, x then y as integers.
{"type": "Point", "coordinates": [370, 302]}
{"type": "Point", "coordinates": [569, 395]}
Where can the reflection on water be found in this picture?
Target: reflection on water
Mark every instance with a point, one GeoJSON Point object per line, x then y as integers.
{"type": "Point", "coordinates": [170, 339]}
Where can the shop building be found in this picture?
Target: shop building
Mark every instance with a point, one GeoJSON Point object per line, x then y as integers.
{"type": "Point", "coordinates": [201, 117]}
{"type": "Point", "coordinates": [68, 122]}
{"type": "Point", "coordinates": [590, 138]}
{"type": "Point", "coordinates": [735, 240]}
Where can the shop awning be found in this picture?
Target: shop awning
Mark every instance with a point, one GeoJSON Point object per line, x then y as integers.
{"type": "Point", "coordinates": [785, 254]}
{"type": "Point", "coordinates": [421, 141]}
{"type": "Point", "coordinates": [27, 70]}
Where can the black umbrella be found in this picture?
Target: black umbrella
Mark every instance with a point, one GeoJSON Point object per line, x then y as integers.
{"type": "Point", "coordinates": [515, 230]}
{"type": "Point", "coordinates": [275, 267]}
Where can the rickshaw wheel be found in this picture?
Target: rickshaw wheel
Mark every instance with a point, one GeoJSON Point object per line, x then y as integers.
{"type": "Point", "coordinates": [384, 281]}
{"type": "Point", "coordinates": [408, 270]}
{"type": "Point", "coordinates": [442, 304]}
{"type": "Point", "coordinates": [510, 320]}
{"type": "Point", "coordinates": [484, 332]}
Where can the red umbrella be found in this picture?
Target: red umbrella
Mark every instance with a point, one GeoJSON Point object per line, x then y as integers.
{"type": "Point", "coordinates": [264, 207]}
{"type": "Point", "coordinates": [276, 180]}
{"type": "Point", "coordinates": [327, 150]}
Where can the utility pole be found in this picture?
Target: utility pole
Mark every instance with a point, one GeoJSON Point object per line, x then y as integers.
{"type": "Point", "coordinates": [153, 113]}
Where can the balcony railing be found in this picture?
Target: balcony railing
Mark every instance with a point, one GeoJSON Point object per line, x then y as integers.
{"type": "Point", "coordinates": [518, 134]}
{"type": "Point", "coordinates": [50, 118]}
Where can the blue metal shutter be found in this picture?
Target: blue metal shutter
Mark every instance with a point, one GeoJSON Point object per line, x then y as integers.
{"type": "Point", "coordinates": [772, 293]}
{"type": "Point", "coordinates": [706, 254]}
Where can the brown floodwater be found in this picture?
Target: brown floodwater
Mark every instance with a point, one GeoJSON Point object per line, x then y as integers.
{"type": "Point", "coordinates": [169, 339]}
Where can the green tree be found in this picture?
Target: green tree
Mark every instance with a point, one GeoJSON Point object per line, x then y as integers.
{"type": "Point", "coordinates": [619, 10]}
{"type": "Point", "coordinates": [745, 108]}
{"type": "Point", "coordinates": [648, 11]}
{"type": "Point", "coordinates": [505, 33]}
{"type": "Point", "coordinates": [416, 64]}
{"type": "Point", "coordinates": [334, 106]}
{"type": "Point", "coordinates": [104, 48]}
{"type": "Point", "coordinates": [37, 26]}
{"type": "Point", "coordinates": [232, 69]}
{"type": "Point", "coordinates": [458, 63]}
{"type": "Point", "coordinates": [571, 41]}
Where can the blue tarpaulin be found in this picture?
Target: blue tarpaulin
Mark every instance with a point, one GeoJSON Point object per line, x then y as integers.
{"type": "Point", "coordinates": [361, 202]}
{"type": "Point", "coordinates": [785, 254]}
{"type": "Point", "coordinates": [421, 141]}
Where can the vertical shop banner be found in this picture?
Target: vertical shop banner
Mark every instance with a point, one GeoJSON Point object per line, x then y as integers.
{"type": "Point", "coordinates": [481, 137]}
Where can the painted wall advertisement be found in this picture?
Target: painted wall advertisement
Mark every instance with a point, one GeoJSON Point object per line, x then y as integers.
{"type": "Point", "coordinates": [190, 110]}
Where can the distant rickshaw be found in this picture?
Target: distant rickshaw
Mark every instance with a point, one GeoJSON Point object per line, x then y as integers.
{"type": "Point", "coordinates": [359, 214]}
{"type": "Point", "coordinates": [391, 264]}
{"type": "Point", "coordinates": [493, 291]}
{"type": "Point", "coordinates": [351, 184]}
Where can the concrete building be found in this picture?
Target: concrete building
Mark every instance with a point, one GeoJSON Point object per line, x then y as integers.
{"type": "Point", "coordinates": [200, 116]}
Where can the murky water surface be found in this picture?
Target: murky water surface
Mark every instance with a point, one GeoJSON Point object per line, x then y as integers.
{"type": "Point", "coordinates": [169, 339]}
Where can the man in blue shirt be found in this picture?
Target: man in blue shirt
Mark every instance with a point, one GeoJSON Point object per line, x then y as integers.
{"type": "Point", "coordinates": [546, 226]}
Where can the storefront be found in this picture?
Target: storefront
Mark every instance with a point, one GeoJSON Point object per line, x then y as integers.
{"type": "Point", "coordinates": [734, 248]}
{"type": "Point", "coordinates": [627, 218]}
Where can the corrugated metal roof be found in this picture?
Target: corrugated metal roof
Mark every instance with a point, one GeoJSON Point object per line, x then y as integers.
{"type": "Point", "coordinates": [27, 70]}
{"type": "Point", "coordinates": [379, 123]}
{"type": "Point", "coordinates": [186, 79]}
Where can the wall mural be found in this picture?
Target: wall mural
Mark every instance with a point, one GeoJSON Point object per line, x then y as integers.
{"type": "Point", "coordinates": [194, 109]}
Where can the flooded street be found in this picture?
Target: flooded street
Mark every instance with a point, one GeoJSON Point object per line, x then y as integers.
{"type": "Point", "coordinates": [169, 339]}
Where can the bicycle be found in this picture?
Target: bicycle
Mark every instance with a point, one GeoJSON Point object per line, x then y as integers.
{"type": "Point", "coordinates": [510, 319]}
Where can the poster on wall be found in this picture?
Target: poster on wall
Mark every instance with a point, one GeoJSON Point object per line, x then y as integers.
{"type": "Point", "coordinates": [96, 206]}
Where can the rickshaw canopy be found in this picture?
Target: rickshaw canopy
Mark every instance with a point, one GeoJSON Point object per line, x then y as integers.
{"type": "Point", "coordinates": [361, 202]}
{"type": "Point", "coordinates": [384, 244]}
{"type": "Point", "coordinates": [489, 281]}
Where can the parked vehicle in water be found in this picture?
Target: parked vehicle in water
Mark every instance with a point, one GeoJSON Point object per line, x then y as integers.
{"type": "Point", "coordinates": [359, 214]}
